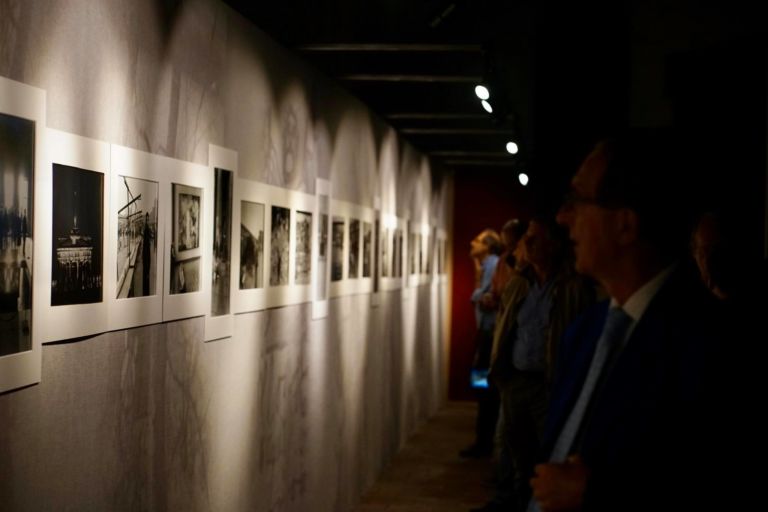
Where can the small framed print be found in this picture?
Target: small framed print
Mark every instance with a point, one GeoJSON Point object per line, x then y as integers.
{"type": "Point", "coordinates": [74, 233]}
{"type": "Point", "coordinates": [134, 259]}
{"type": "Point", "coordinates": [322, 249]}
{"type": "Point", "coordinates": [219, 321]}
{"type": "Point", "coordinates": [22, 139]}
{"type": "Point", "coordinates": [189, 188]}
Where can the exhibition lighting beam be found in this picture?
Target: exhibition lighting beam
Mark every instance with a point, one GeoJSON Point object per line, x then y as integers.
{"type": "Point", "coordinates": [487, 106]}
{"type": "Point", "coordinates": [482, 92]}
{"type": "Point", "coordinates": [512, 148]}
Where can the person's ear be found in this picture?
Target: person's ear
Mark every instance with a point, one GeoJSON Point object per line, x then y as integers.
{"type": "Point", "coordinates": [627, 226]}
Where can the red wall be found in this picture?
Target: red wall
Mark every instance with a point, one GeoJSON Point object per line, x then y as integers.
{"type": "Point", "coordinates": [482, 200]}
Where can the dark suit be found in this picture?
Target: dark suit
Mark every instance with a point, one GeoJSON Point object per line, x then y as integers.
{"type": "Point", "coordinates": [646, 432]}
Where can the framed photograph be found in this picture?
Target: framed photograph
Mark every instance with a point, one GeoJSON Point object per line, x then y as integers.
{"type": "Point", "coordinates": [392, 245]}
{"type": "Point", "coordinates": [353, 267]}
{"type": "Point", "coordinates": [337, 248]}
{"type": "Point", "coordinates": [367, 256]}
{"type": "Point", "coordinates": [374, 252]}
{"type": "Point", "coordinates": [303, 247]}
{"type": "Point", "coordinates": [189, 189]}
{"type": "Point", "coordinates": [186, 231]}
{"type": "Point", "coordinates": [133, 284]}
{"type": "Point", "coordinates": [137, 235]}
{"type": "Point", "coordinates": [22, 134]}
{"type": "Point", "coordinates": [73, 233]}
{"type": "Point", "coordinates": [251, 245]}
{"type": "Point", "coordinates": [78, 235]}
{"type": "Point", "coordinates": [280, 246]}
{"type": "Point", "coordinates": [385, 250]}
{"type": "Point", "coordinates": [322, 249]}
{"type": "Point", "coordinates": [219, 321]}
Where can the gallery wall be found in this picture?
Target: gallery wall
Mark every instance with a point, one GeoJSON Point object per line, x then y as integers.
{"type": "Point", "coordinates": [296, 410]}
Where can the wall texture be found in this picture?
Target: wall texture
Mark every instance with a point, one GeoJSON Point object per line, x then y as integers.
{"type": "Point", "coordinates": [290, 414]}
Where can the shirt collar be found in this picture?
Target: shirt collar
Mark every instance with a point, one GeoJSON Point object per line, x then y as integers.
{"type": "Point", "coordinates": [638, 302]}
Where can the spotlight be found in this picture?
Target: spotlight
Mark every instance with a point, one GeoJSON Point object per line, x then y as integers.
{"type": "Point", "coordinates": [482, 92]}
{"type": "Point", "coordinates": [487, 106]}
{"type": "Point", "coordinates": [523, 178]}
{"type": "Point", "coordinates": [512, 148]}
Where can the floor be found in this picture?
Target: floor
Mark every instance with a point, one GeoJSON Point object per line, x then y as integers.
{"type": "Point", "coordinates": [428, 475]}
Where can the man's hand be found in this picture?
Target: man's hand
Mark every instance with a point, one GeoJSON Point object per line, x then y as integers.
{"type": "Point", "coordinates": [560, 487]}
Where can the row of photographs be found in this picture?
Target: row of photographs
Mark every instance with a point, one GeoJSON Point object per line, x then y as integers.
{"type": "Point", "coordinates": [120, 238]}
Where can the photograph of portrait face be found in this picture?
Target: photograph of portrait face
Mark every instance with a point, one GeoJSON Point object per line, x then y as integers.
{"type": "Point", "coordinates": [77, 244]}
{"type": "Point", "coordinates": [17, 163]}
{"type": "Point", "coordinates": [251, 245]}
{"type": "Point", "coordinates": [337, 249]}
{"type": "Point", "coordinates": [322, 254]}
{"type": "Point", "coordinates": [222, 237]}
{"type": "Point", "coordinates": [367, 243]}
{"type": "Point", "coordinates": [136, 237]}
{"type": "Point", "coordinates": [185, 239]}
{"type": "Point", "coordinates": [280, 246]}
{"type": "Point", "coordinates": [354, 248]}
{"type": "Point", "coordinates": [303, 247]}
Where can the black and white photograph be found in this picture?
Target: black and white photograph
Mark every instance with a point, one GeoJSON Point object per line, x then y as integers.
{"type": "Point", "coordinates": [136, 237]}
{"type": "Point", "coordinates": [385, 254]}
{"type": "Point", "coordinates": [399, 253]}
{"type": "Point", "coordinates": [77, 244]}
{"type": "Point", "coordinates": [396, 244]}
{"type": "Point", "coordinates": [222, 237]}
{"type": "Point", "coordinates": [441, 257]}
{"type": "Point", "coordinates": [367, 240]}
{"type": "Point", "coordinates": [354, 249]}
{"type": "Point", "coordinates": [337, 249]}
{"type": "Point", "coordinates": [322, 252]}
{"type": "Point", "coordinates": [251, 245]}
{"type": "Point", "coordinates": [303, 247]}
{"type": "Point", "coordinates": [420, 250]}
{"type": "Point", "coordinates": [280, 250]}
{"type": "Point", "coordinates": [376, 244]}
{"type": "Point", "coordinates": [186, 239]}
{"type": "Point", "coordinates": [412, 254]}
{"type": "Point", "coordinates": [17, 150]}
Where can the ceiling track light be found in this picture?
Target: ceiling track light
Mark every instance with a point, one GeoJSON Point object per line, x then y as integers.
{"type": "Point", "coordinates": [487, 106]}
{"type": "Point", "coordinates": [482, 92]}
{"type": "Point", "coordinates": [523, 178]}
{"type": "Point", "coordinates": [512, 148]}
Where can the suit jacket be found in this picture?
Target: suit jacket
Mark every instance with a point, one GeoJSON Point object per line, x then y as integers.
{"type": "Point", "coordinates": [644, 435]}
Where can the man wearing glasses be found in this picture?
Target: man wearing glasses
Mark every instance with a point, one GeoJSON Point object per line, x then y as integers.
{"type": "Point", "coordinates": [626, 429]}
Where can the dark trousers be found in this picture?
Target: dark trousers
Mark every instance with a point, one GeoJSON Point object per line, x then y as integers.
{"type": "Point", "coordinates": [487, 399]}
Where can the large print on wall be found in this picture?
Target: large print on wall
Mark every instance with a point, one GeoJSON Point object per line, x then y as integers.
{"type": "Point", "coordinates": [137, 260]}
{"type": "Point", "coordinates": [77, 243]}
{"type": "Point", "coordinates": [280, 246]}
{"type": "Point", "coordinates": [222, 234]}
{"type": "Point", "coordinates": [251, 245]}
{"type": "Point", "coordinates": [186, 239]}
{"type": "Point", "coordinates": [17, 152]}
{"type": "Point", "coordinates": [303, 247]}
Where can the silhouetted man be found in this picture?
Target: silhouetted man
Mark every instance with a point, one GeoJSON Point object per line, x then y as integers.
{"type": "Point", "coordinates": [627, 427]}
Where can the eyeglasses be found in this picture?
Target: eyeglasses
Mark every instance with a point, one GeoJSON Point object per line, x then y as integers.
{"type": "Point", "coordinates": [573, 198]}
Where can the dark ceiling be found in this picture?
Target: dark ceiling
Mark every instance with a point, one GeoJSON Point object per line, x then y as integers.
{"type": "Point", "coordinates": [561, 73]}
